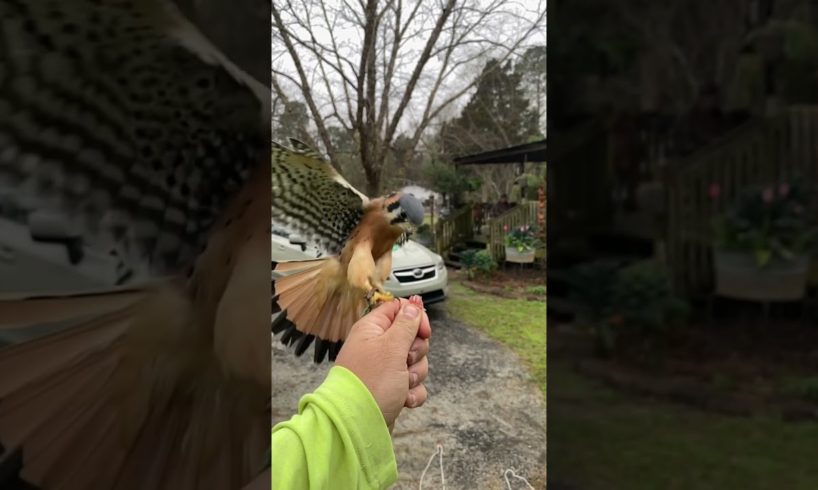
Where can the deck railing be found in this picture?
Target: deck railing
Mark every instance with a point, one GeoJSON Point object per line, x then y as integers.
{"type": "Point", "coordinates": [761, 151]}
{"type": "Point", "coordinates": [456, 227]}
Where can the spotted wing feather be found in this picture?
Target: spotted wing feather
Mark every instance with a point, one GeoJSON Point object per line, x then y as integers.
{"type": "Point", "coordinates": [120, 122]}
{"type": "Point", "coordinates": [311, 199]}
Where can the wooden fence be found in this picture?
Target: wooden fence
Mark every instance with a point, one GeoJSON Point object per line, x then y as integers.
{"type": "Point", "coordinates": [764, 150]}
{"type": "Point", "coordinates": [457, 227]}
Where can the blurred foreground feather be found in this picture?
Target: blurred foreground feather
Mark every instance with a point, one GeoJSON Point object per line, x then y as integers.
{"type": "Point", "coordinates": [122, 126]}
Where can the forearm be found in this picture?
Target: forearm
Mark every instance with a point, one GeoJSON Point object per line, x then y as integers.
{"type": "Point", "coordinates": [339, 439]}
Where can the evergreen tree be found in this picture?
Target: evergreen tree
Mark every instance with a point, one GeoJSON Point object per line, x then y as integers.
{"type": "Point", "coordinates": [497, 114]}
{"type": "Point", "coordinates": [292, 123]}
{"type": "Point", "coordinates": [532, 70]}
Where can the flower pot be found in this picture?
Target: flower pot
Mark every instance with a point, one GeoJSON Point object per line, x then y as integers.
{"type": "Point", "coordinates": [524, 257]}
{"type": "Point", "coordinates": [738, 276]}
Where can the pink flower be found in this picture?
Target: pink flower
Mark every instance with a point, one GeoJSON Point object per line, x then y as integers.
{"type": "Point", "coordinates": [505, 227]}
{"type": "Point", "coordinates": [714, 191]}
{"type": "Point", "coordinates": [767, 195]}
{"type": "Point", "coordinates": [783, 189]}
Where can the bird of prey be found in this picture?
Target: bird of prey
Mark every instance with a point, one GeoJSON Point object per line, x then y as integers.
{"type": "Point", "coordinates": [123, 129]}
{"type": "Point", "coordinates": [351, 238]}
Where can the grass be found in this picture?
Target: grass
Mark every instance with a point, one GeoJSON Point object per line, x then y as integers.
{"type": "Point", "coordinates": [610, 440]}
{"type": "Point", "coordinates": [605, 439]}
{"type": "Point", "coordinates": [517, 323]}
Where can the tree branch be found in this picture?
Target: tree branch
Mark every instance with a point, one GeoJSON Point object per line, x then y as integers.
{"type": "Point", "coordinates": [305, 87]}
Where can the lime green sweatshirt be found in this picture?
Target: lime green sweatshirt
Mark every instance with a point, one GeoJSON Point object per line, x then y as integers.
{"type": "Point", "coordinates": [338, 440]}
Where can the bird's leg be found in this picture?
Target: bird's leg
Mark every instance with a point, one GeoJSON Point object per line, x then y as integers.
{"type": "Point", "coordinates": [377, 295]}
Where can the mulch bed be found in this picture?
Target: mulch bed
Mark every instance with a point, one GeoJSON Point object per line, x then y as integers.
{"type": "Point", "coordinates": [691, 391]}
{"type": "Point", "coordinates": [736, 366]}
{"type": "Point", "coordinates": [511, 283]}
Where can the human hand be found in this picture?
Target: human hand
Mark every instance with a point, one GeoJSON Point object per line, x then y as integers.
{"type": "Point", "coordinates": [386, 350]}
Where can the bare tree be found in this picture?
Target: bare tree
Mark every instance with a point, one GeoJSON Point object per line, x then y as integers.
{"type": "Point", "coordinates": [378, 68]}
{"type": "Point", "coordinates": [687, 44]}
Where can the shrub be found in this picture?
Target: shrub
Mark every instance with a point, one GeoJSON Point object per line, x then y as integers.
{"type": "Point", "coordinates": [805, 388]}
{"type": "Point", "coordinates": [642, 296]}
{"type": "Point", "coordinates": [591, 286]}
{"type": "Point", "coordinates": [615, 299]}
{"type": "Point", "coordinates": [477, 263]}
{"type": "Point", "coordinates": [536, 290]}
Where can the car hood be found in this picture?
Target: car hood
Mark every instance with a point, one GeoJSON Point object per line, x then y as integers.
{"type": "Point", "coordinates": [413, 254]}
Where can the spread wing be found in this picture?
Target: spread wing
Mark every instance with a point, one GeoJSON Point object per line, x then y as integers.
{"type": "Point", "coordinates": [311, 199]}
{"type": "Point", "coordinates": [132, 140]}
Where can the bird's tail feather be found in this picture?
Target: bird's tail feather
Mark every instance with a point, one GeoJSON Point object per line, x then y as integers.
{"type": "Point", "coordinates": [24, 311]}
{"type": "Point", "coordinates": [65, 399]}
{"type": "Point", "coordinates": [52, 400]}
{"type": "Point", "coordinates": [311, 301]}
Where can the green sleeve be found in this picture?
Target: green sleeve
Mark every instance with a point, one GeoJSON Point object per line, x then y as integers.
{"type": "Point", "coordinates": [338, 439]}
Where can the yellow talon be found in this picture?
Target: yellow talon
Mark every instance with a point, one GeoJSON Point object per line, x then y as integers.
{"type": "Point", "coordinates": [376, 297]}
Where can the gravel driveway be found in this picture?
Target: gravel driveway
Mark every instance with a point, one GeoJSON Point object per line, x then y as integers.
{"type": "Point", "coordinates": [483, 409]}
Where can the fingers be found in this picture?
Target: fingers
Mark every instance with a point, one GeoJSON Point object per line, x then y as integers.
{"type": "Point", "coordinates": [418, 372]}
{"type": "Point", "coordinates": [416, 397]}
{"type": "Point", "coordinates": [417, 351]}
{"type": "Point", "coordinates": [425, 330]}
{"type": "Point", "coordinates": [406, 324]}
{"type": "Point", "coordinates": [385, 313]}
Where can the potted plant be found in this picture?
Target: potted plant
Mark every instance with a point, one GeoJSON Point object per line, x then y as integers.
{"type": "Point", "coordinates": [764, 243]}
{"type": "Point", "coordinates": [521, 244]}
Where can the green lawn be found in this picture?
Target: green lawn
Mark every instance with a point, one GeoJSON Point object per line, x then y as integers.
{"type": "Point", "coordinates": [517, 323]}
{"type": "Point", "coordinates": [603, 439]}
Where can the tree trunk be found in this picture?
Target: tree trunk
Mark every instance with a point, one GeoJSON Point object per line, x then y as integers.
{"type": "Point", "coordinates": [373, 177]}
{"type": "Point", "coordinates": [372, 187]}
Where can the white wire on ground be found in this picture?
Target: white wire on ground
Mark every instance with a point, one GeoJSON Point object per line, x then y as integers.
{"type": "Point", "coordinates": [438, 452]}
{"type": "Point", "coordinates": [515, 475]}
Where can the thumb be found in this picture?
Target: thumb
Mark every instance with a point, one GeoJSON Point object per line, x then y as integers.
{"type": "Point", "coordinates": [405, 327]}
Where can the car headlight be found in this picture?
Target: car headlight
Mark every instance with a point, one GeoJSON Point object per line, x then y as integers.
{"type": "Point", "coordinates": [440, 264]}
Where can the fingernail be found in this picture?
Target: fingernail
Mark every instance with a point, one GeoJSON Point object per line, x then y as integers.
{"type": "Point", "coordinates": [414, 379]}
{"type": "Point", "coordinates": [411, 400]}
{"type": "Point", "coordinates": [411, 310]}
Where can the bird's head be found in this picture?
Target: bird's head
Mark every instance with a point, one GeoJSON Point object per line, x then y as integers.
{"type": "Point", "coordinates": [404, 210]}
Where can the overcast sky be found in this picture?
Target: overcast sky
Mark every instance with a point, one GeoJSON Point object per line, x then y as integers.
{"type": "Point", "coordinates": [496, 33]}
